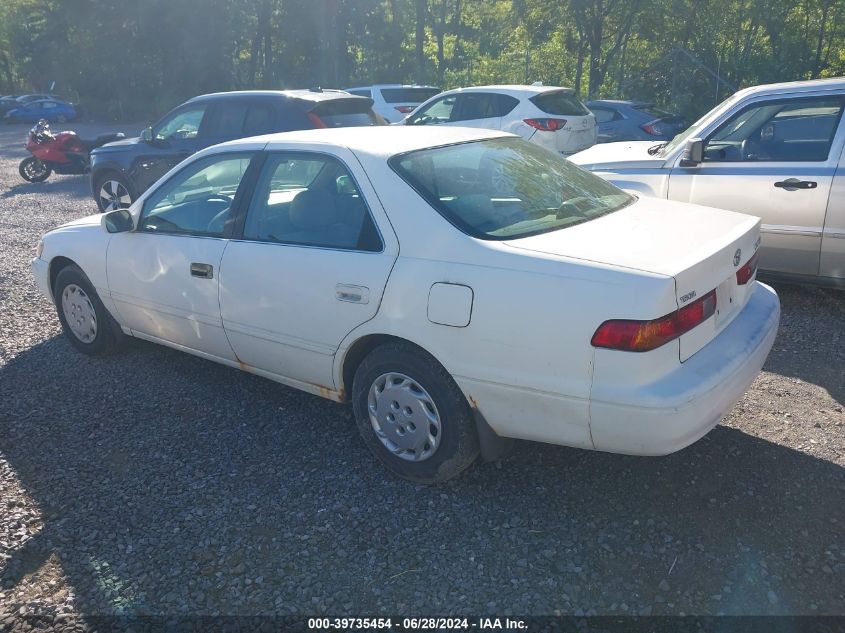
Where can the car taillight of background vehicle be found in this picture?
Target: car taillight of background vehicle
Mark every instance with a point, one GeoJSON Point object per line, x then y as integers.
{"type": "Point", "coordinates": [746, 273]}
{"type": "Point", "coordinates": [546, 125]}
{"type": "Point", "coordinates": [643, 336]}
{"type": "Point", "coordinates": [404, 109]}
{"type": "Point", "coordinates": [317, 121]}
{"type": "Point", "coordinates": [652, 128]}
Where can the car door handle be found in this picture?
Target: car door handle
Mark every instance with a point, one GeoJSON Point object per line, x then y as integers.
{"type": "Point", "coordinates": [203, 271]}
{"type": "Point", "coordinates": [794, 183]}
{"type": "Point", "coordinates": [352, 294]}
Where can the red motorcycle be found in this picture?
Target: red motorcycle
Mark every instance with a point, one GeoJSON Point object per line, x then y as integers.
{"type": "Point", "coordinates": [63, 153]}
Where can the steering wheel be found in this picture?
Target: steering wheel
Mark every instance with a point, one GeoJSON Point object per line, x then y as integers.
{"type": "Point", "coordinates": [218, 222]}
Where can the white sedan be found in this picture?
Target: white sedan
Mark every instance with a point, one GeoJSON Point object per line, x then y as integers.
{"type": "Point", "coordinates": [374, 265]}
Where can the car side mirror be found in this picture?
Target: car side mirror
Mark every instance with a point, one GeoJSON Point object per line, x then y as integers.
{"type": "Point", "coordinates": [147, 135]}
{"type": "Point", "coordinates": [119, 221]}
{"type": "Point", "coordinates": [693, 153]}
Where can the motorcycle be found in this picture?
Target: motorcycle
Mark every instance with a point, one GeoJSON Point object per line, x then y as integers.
{"type": "Point", "coordinates": [63, 152]}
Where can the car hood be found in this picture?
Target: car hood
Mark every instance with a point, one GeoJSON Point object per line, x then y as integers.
{"type": "Point", "coordinates": [117, 146]}
{"type": "Point", "coordinates": [80, 223]}
{"type": "Point", "coordinates": [622, 155]}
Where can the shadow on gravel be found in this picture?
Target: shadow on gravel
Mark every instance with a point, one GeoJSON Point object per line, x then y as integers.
{"type": "Point", "coordinates": [799, 350]}
{"type": "Point", "coordinates": [76, 186]}
{"type": "Point", "coordinates": [168, 484]}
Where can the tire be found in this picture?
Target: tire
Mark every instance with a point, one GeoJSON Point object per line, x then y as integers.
{"type": "Point", "coordinates": [33, 170]}
{"type": "Point", "coordinates": [424, 392]}
{"type": "Point", "coordinates": [84, 318]}
{"type": "Point", "coordinates": [112, 192]}
{"type": "Point", "coordinates": [61, 118]}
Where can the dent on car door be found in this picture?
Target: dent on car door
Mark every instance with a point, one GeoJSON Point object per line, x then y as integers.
{"type": "Point", "coordinates": [312, 264]}
{"type": "Point", "coordinates": [774, 158]}
{"type": "Point", "coordinates": [175, 137]}
{"type": "Point", "coordinates": [163, 276]}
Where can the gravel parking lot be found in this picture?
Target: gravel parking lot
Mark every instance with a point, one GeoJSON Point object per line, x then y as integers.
{"type": "Point", "coordinates": [153, 482]}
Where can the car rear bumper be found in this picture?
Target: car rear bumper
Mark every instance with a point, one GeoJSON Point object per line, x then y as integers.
{"type": "Point", "coordinates": [681, 407]}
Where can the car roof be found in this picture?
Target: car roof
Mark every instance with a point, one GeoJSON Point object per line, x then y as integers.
{"type": "Point", "coordinates": [384, 141]}
{"type": "Point", "coordinates": [393, 86]}
{"type": "Point", "coordinates": [312, 94]}
{"type": "Point", "coordinates": [831, 83]}
{"type": "Point", "coordinates": [511, 89]}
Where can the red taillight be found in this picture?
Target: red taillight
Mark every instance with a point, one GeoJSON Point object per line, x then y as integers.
{"type": "Point", "coordinates": [546, 125]}
{"type": "Point", "coordinates": [651, 128]}
{"type": "Point", "coordinates": [404, 109]}
{"type": "Point", "coordinates": [746, 273]}
{"type": "Point", "coordinates": [317, 121]}
{"type": "Point", "coordinates": [642, 336]}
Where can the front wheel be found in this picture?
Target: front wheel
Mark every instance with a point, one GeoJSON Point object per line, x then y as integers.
{"type": "Point", "coordinates": [84, 318]}
{"type": "Point", "coordinates": [412, 415]}
{"type": "Point", "coordinates": [112, 193]}
{"type": "Point", "coordinates": [34, 170]}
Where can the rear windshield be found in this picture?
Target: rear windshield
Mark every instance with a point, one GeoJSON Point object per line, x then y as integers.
{"type": "Point", "coordinates": [507, 188]}
{"type": "Point", "coordinates": [560, 102]}
{"type": "Point", "coordinates": [408, 95]}
{"type": "Point", "coordinates": [347, 113]}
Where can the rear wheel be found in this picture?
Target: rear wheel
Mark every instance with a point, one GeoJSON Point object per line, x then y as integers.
{"type": "Point", "coordinates": [113, 193]}
{"type": "Point", "coordinates": [412, 415]}
{"type": "Point", "coordinates": [34, 170]}
{"type": "Point", "coordinates": [85, 321]}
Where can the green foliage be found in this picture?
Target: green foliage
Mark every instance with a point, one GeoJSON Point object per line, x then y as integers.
{"type": "Point", "coordinates": [134, 59]}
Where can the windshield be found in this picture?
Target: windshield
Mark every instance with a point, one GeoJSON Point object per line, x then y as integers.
{"type": "Point", "coordinates": [681, 138]}
{"type": "Point", "coordinates": [507, 188]}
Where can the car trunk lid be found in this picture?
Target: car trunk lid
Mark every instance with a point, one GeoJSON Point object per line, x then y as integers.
{"type": "Point", "coordinates": [700, 247]}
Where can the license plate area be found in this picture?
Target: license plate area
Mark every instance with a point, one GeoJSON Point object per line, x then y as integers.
{"type": "Point", "coordinates": [727, 302]}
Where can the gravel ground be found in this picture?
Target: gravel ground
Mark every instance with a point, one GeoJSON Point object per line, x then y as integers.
{"type": "Point", "coordinates": [153, 482]}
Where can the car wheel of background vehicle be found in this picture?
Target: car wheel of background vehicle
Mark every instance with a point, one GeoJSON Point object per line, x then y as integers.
{"type": "Point", "coordinates": [412, 415]}
{"type": "Point", "coordinates": [34, 170]}
{"type": "Point", "coordinates": [85, 321]}
{"type": "Point", "coordinates": [61, 118]}
{"type": "Point", "coordinates": [113, 193]}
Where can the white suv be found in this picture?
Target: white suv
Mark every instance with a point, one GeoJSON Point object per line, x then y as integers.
{"type": "Point", "coordinates": [394, 101]}
{"type": "Point", "coordinates": [549, 116]}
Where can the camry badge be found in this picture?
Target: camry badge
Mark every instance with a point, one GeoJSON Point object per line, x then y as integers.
{"type": "Point", "coordinates": [737, 256]}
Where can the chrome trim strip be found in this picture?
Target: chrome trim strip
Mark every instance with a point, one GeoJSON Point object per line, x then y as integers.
{"type": "Point", "coordinates": [785, 229]}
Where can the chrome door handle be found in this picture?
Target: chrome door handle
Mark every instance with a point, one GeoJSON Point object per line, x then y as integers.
{"type": "Point", "coordinates": [794, 183]}
{"type": "Point", "coordinates": [203, 271]}
{"type": "Point", "coordinates": [352, 294]}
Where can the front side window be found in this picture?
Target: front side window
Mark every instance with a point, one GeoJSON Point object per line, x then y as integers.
{"type": "Point", "coordinates": [197, 200]}
{"type": "Point", "coordinates": [477, 105]}
{"type": "Point", "coordinates": [435, 113]}
{"type": "Point", "coordinates": [786, 130]}
{"type": "Point", "coordinates": [507, 188]}
{"type": "Point", "coordinates": [310, 200]}
{"type": "Point", "coordinates": [181, 125]}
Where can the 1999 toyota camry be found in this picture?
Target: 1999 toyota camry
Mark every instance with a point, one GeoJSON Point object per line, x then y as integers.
{"type": "Point", "coordinates": [460, 287]}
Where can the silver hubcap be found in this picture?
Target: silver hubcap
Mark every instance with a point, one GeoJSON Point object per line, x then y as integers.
{"type": "Point", "coordinates": [114, 195]}
{"type": "Point", "coordinates": [35, 168]}
{"type": "Point", "coordinates": [79, 313]}
{"type": "Point", "coordinates": [404, 417]}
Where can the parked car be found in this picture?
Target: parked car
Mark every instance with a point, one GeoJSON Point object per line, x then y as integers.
{"type": "Point", "coordinates": [549, 116]}
{"type": "Point", "coordinates": [633, 121]}
{"type": "Point", "coordinates": [122, 171]}
{"type": "Point", "coordinates": [375, 266]}
{"type": "Point", "coordinates": [48, 109]}
{"type": "Point", "coordinates": [394, 101]}
{"type": "Point", "coordinates": [8, 102]}
{"type": "Point", "coordinates": [773, 151]}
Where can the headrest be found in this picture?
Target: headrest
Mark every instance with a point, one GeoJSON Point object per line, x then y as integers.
{"type": "Point", "coordinates": [312, 209]}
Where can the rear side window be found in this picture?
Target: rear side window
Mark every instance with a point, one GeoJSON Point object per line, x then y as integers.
{"type": "Point", "coordinates": [310, 200]}
{"type": "Point", "coordinates": [506, 104]}
{"type": "Point", "coordinates": [651, 111]}
{"type": "Point", "coordinates": [604, 115]}
{"type": "Point", "coordinates": [259, 120]}
{"type": "Point", "coordinates": [345, 113]}
{"type": "Point", "coordinates": [477, 105]}
{"type": "Point", "coordinates": [408, 95]}
{"type": "Point", "coordinates": [228, 119]}
{"type": "Point", "coordinates": [560, 102]}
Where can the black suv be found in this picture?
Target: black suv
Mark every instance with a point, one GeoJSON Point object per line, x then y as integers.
{"type": "Point", "coordinates": [122, 171]}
